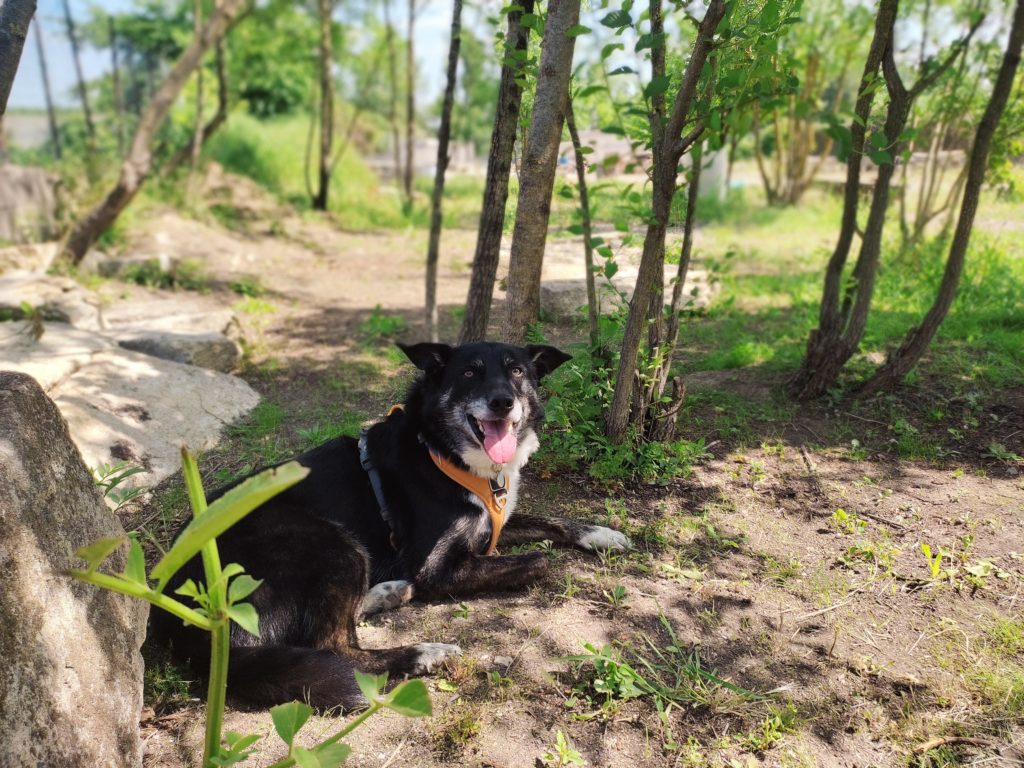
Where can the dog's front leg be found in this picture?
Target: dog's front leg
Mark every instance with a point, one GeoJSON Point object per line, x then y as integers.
{"type": "Point", "coordinates": [480, 573]}
{"type": "Point", "coordinates": [525, 529]}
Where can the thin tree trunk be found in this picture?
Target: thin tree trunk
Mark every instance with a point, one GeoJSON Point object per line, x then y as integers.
{"type": "Point", "coordinates": [651, 271]}
{"type": "Point", "coordinates": [51, 113]}
{"type": "Point", "coordinates": [389, 41]}
{"type": "Point", "coordinates": [903, 360]}
{"type": "Point", "coordinates": [539, 164]}
{"type": "Point", "coordinates": [499, 168]}
{"type": "Point", "coordinates": [15, 16]}
{"type": "Point", "coordinates": [326, 106]}
{"type": "Point", "coordinates": [197, 129]}
{"type": "Point", "coordinates": [443, 136]}
{"type": "Point", "coordinates": [83, 91]}
{"type": "Point", "coordinates": [588, 248]}
{"type": "Point", "coordinates": [218, 119]}
{"type": "Point", "coordinates": [410, 106]}
{"type": "Point", "coordinates": [115, 73]}
{"type": "Point", "coordinates": [139, 162]}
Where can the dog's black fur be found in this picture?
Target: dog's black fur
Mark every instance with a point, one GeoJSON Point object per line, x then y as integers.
{"type": "Point", "coordinates": [321, 543]}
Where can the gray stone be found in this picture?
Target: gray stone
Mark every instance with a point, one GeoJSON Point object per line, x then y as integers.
{"type": "Point", "coordinates": [57, 354]}
{"type": "Point", "coordinates": [28, 204]}
{"type": "Point", "coordinates": [206, 350]}
{"type": "Point", "coordinates": [175, 313]}
{"type": "Point", "coordinates": [34, 257]}
{"type": "Point", "coordinates": [71, 676]}
{"type": "Point", "coordinates": [60, 299]}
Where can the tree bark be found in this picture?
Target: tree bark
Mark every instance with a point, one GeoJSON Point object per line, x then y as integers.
{"type": "Point", "coordinates": [389, 41]}
{"type": "Point", "coordinates": [83, 91]}
{"type": "Point", "coordinates": [650, 275]}
{"type": "Point", "coordinates": [499, 168]}
{"type": "Point", "coordinates": [588, 248]}
{"type": "Point", "coordinates": [115, 74]}
{"type": "Point", "coordinates": [51, 113]}
{"type": "Point", "coordinates": [903, 360]}
{"type": "Point", "coordinates": [326, 106]}
{"type": "Point", "coordinates": [443, 136]}
{"type": "Point", "coordinates": [410, 107]}
{"type": "Point", "coordinates": [139, 162]}
{"type": "Point", "coordinates": [15, 16]}
{"type": "Point", "coordinates": [539, 164]}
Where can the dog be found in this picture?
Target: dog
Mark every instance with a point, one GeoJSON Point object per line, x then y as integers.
{"type": "Point", "coordinates": [413, 509]}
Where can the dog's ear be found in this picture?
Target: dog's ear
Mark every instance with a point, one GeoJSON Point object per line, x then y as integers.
{"type": "Point", "coordinates": [545, 359]}
{"type": "Point", "coordinates": [427, 357]}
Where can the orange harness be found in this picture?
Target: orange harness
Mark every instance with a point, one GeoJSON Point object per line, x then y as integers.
{"type": "Point", "coordinates": [492, 492]}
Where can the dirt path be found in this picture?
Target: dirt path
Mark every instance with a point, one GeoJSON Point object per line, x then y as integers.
{"type": "Point", "coordinates": [839, 644]}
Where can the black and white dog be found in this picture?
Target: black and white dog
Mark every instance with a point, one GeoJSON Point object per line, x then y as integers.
{"type": "Point", "coordinates": [413, 509]}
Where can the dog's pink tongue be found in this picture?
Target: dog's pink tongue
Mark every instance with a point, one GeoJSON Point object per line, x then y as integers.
{"type": "Point", "coordinates": [499, 441]}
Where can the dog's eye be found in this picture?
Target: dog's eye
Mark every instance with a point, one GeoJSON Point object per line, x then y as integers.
{"type": "Point", "coordinates": [518, 371]}
{"type": "Point", "coordinates": [469, 373]}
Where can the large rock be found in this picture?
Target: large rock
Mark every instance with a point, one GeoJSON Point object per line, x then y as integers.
{"type": "Point", "coordinates": [71, 673]}
{"type": "Point", "coordinates": [35, 257]}
{"type": "Point", "coordinates": [57, 298]}
{"type": "Point", "coordinates": [28, 204]}
{"type": "Point", "coordinates": [206, 350]}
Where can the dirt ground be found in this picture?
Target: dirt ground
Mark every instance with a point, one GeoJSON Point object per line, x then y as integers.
{"type": "Point", "coordinates": [789, 563]}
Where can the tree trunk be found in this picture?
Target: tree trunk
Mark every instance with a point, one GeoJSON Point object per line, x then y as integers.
{"type": "Point", "coordinates": [15, 16]}
{"type": "Point", "coordinates": [834, 348]}
{"type": "Point", "coordinates": [326, 106]}
{"type": "Point", "coordinates": [903, 360]}
{"type": "Point", "coordinates": [218, 119]}
{"type": "Point", "coordinates": [651, 272]}
{"type": "Point", "coordinates": [115, 74]}
{"type": "Point", "coordinates": [83, 91]}
{"type": "Point", "coordinates": [51, 113]}
{"type": "Point", "coordinates": [139, 162]}
{"type": "Point", "coordinates": [539, 164]}
{"type": "Point", "coordinates": [410, 107]}
{"type": "Point", "coordinates": [389, 40]}
{"type": "Point", "coordinates": [443, 135]}
{"type": "Point", "coordinates": [588, 248]}
{"type": "Point", "coordinates": [499, 167]}
{"type": "Point", "coordinates": [197, 128]}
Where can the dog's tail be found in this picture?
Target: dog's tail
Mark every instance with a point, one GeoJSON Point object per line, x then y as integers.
{"type": "Point", "coordinates": [277, 674]}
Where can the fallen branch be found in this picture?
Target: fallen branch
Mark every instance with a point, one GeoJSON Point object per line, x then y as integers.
{"type": "Point", "coordinates": [940, 741]}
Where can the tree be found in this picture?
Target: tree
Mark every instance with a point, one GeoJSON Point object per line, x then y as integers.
{"type": "Point", "coordinates": [841, 328]}
{"type": "Point", "coordinates": [51, 113]}
{"type": "Point", "coordinates": [396, 147]}
{"type": "Point", "coordinates": [909, 353]}
{"type": "Point", "coordinates": [219, 117]}
{"type": "Point", "coordinates": [15, 16]}
{"type": "Point", "coordinates": [115, 74]}
{"type": "Point", "coordinates": [585, 223]}
{"type": "Point", "coordinates": [443, 135]}
{"type": "Point", "coordinates": [499, 166]}
{"type": "Point", "coordinates": [410, 106]}
{"type": "Point", "coordinates": [197, 127]}
{"type": "Point", "coordinates": [83, 91]}
{"type": "Point", "coordinates": [139, 161]}
{"type": "Point", "coordinates": [326, 8]}
{"type": "Point", "coordinates": [537, 177]}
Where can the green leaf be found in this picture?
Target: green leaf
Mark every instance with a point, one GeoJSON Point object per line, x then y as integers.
{"type": "Point", "coordinates": [575, 229]}
{"type": "Point", "coordinates": [576, 30]}
{"type": "Point", "coordinates": [370, 685]}
{"type": "Point", "coordinates": [225, 512]}
{"type": "Point", "coordinates": [617, 19]}
{"type": "Point", "coordinates": [305, 759]}
{"type": "Point", "coordinates": [188, 589]}
{"type": "Point", "coordinates": [333, 755]}
{"type": "Point", "coordinates": [245, 616]}
{"type": "Point", "coordinates": [242, 587]}
{"type": "Point", "coordinates": [623, 70]}
{"type": "Point", "coordinates": [410, 699]}
{"type": "Point", "coordinates": [94, 554]}
{"type": "Point", "coordinates": [656, 87]}
{"type": "Point", "coordinates": [531, 21]}
{"type": "Point", "coordinates": [590, 90]}
{"type": "Point", "coordinates": [610, 269]}
{"type": "Point", "coordinates": [769, 14]}
{"type": "Point", "coordinates": [650, 41]}
{"type": "Point", "coordinates": [289, 718]}
{"type": "Point", "coordinates": [715, 121]}
{"type": "Point", "coordinates": [878, 140]}
{"type": "Point", "coordinates": [135, 567]}
{"type": "Point", "coordinates": [611, 48]}
{"type": "Point", "coordinates": [880, 157]}
{"type": "Point", "coordinates": [447, 686]}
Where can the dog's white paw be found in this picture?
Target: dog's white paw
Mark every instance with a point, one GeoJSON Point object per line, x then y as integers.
{"type": "Point", "coordinates": [386, 595]}
{"type": "Point", "coordinates": [432, 654]}
{"type": "Point", "coordinates": [598, 537]}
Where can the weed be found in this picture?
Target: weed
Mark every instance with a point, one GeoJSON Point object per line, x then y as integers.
{"type": "Point", "coordinates": [320, 433]}
{"type": "Point", "coordinates": [187, 274]}
{"type": "Point", "coordinates": [248, 285]}
{"type": "Point", "coordinates": [380, 326]}
{"type": "Point", "coordinates": [999, 452]}
{"type": "Point", "coordinates": [110, 478]}
{"type": "Point", "coordinates": [462, 612]}
{"type": "Point", "coordinates": [616, 597]}
{"type": "Point", "coordinates": [562, 755]}
{"type": "Point", "coordinates": [779, 572]}
{"type": "Point", "coordinates": [848, 523]}
{"type": "Point", "coordinates": [780, 722]}
{"type": "Point", "coordinates": [165, 686]}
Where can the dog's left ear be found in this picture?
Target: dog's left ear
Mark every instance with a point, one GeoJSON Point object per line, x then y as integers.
{"type": "Point", "coordinates": [426, 356]}
{"type": "Point", "coordinates": [545, 359]}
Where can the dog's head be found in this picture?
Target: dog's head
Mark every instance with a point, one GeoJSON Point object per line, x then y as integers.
{"type": "Point", "coordinates": [480, 400]}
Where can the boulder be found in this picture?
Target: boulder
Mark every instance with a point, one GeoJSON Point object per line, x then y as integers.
{"type": "Point", "coordinates": [28, 204]}
{"type": "Point", "coordinates": [175, 312]}
{"type": "Point", "coordinates": [71, 676]}
{"type": "Point", "coordinates": [205, 350]}
{"type": "Point", "coordinates": [35, 257]}
{"type": "Point", "coordinates": [60, 299]}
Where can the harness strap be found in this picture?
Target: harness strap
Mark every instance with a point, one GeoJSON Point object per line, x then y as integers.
{"type": "Point", "coordinates": [378, 490]}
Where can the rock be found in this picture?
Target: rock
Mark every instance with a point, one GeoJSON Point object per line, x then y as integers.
{"type": "Point", "coordinates": [123, 405]}
{"type": "Point", "coordinates": [206, 350]}
{"type": "Point", "coordinates": [60, 299]}
{"type": "Point", "coordinates": [181, 312]}
{"type": "Point", "coordinates": [34, 257]}
{"type": "Point", "coordinates": [562, 299]}
{"type": "Point", "coordinates": [28, 204]}
{"type": "Point", "coordinates": [71, 677]}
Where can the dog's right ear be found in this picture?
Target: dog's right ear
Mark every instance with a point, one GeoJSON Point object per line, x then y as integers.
{"type": "Point", "coordinates": [426, 356]}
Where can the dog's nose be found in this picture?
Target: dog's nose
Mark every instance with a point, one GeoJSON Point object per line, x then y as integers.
{"type": "Point", "coordinates": [501, 404]}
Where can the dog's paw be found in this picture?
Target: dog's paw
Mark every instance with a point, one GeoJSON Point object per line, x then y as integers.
{"type": "Point", "coordinates": [386, 595]}
{"type": "Point", "coordinates": [598, 537]}
{"type": "Point", "coordinates": [432, 654]}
